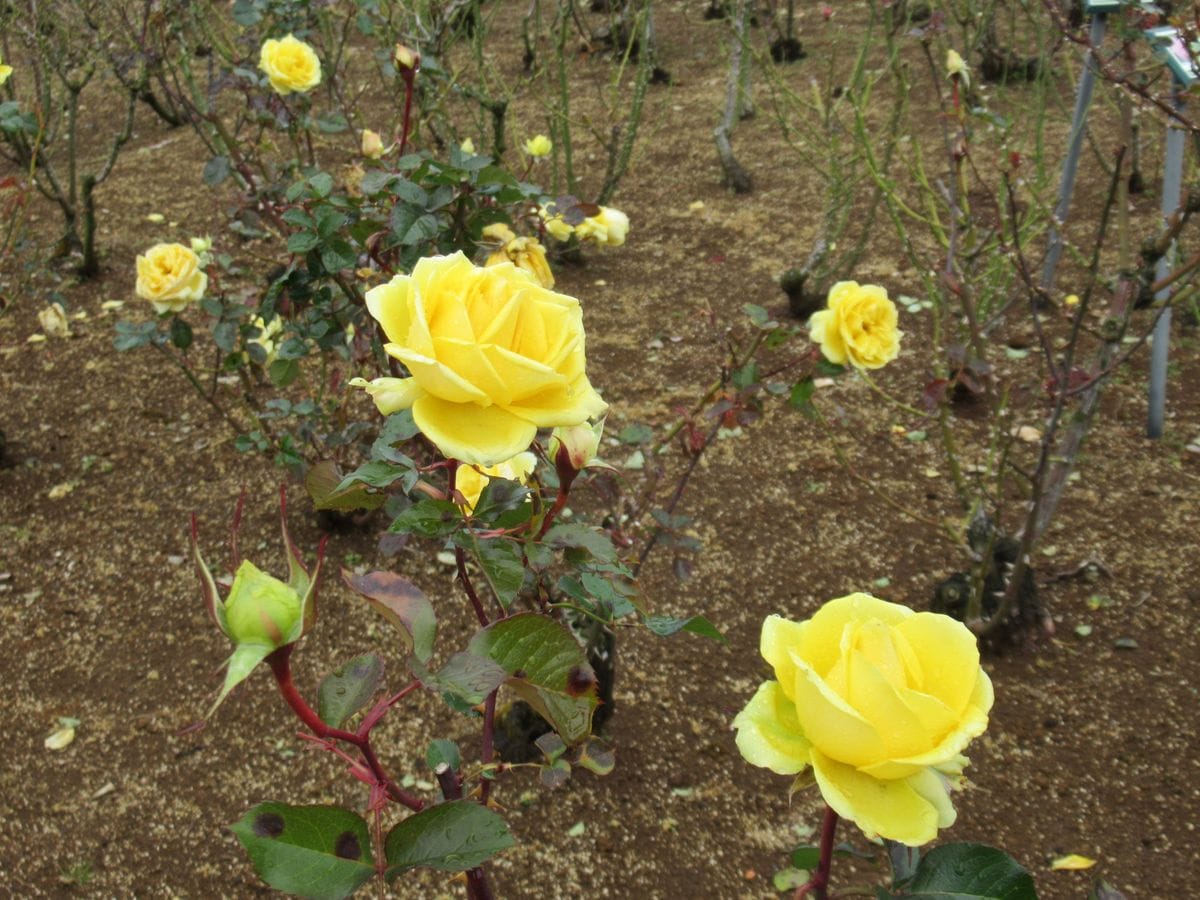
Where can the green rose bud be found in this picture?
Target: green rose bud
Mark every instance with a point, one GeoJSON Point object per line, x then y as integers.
{"type": "Point", "coordinates": [261, 613]}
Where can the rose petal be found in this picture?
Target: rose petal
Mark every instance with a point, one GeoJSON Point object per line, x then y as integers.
{"type": "Point", "coordinates": [830, 723]}
{"type": "Point", "coordinates": [779, 637]}
{"type": "Point", "coordinates": [890, 809]}
{"type": "Point", "coordinates": [390, 394]}
{"type": "Point", "coordinates": [480, 435]}
{"type": "Point", "coordinates": [437, 379]}
{"type": "Point", "coordinates": [949, 657]}
{"type": "Point", "coordinates": [823, 637]}
{"type": "Point", "coordinates": [769, 734]}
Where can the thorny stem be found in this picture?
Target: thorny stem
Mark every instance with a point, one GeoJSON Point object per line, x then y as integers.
{"type": "Point", "coordinates": [280, 663]}
{"type": "Point", "coordinates": [819, 882]}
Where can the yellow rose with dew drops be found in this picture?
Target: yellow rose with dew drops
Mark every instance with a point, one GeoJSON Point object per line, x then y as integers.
{"type": "Point", "coordinates": [471, 480]}
{"type": "Point", "coordinates": [493, 357]}
{"type": "Point", "coordinates": [170, 277]}
{"type": "Point", "coordinates": [879, 702]}
{"type": "Point", "coordinates": [858, 326]}
{"type": "Point", "coordinates": [290, 65]}
{"type": "Point", "coordinates": [523, 252]}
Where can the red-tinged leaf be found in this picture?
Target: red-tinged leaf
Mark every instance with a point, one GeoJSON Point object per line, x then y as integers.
{"type": "Point", "coordinates": [934, 393]}
{"type": "Point", "coordinates": [403, 604]}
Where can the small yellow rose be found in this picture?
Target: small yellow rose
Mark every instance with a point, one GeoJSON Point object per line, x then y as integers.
{"type": "Point", "coordinates": [290, 65]}
{"type": "Point", "coordinates": [467, 146]}
{"type": "Point", "coordinates": [608, 227]}
{"type": "Point", "coordinates": [471, 480]}
{"type": "Point", "coordinates": [556, 225]}
{"type": "Point", "coordinates": [523, 252]}
{"type": "Point", "coordinates": [5, 71]}
{"type": "Point", "coordinates": [955, 65]}
{"type": "Point", "coordinates": [372, 144]}
{"type": "Point", "coordinates": [267, 334]}
{"type": "Point", "coordinates": [539, 145]}
{"type": "Point", "coordinates": [170, 277]}
{"type": "Point", "coordinates": [406, 58]}
{"type": "Point", "coordinates": [858, 326]}
{"type": "Point", "coordinates": [880, 702]}
{"type": "Point", "coordinates": [493, 357]}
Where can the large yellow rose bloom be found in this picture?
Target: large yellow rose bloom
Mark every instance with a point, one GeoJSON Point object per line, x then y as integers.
{"type": "Point", "coordinates": [880, 702]}
{"type": "Point", "coordinates": [170, 277]}
{"type": "Point", "coordinates": [493, 357]}
{"type": "Point", "coordinates": [290, 65]}
{"type": "Point", "coordinates": [858, 326]}
{"type": "Point", "coordinates": [471, 480]}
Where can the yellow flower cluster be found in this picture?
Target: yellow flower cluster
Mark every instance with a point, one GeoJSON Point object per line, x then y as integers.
{"type": "Point", "coordinates": [879, 702]}
{"type": "Point", "coordinates": [493, 357]}
{"type": "Point", "coordinates": [608, 227]}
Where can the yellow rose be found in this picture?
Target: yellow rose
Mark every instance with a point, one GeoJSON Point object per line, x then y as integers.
{"type": "Point", "coordinates": [609, 227]}
{"type": "Point", "coordinates": [5, 71]}
{"type": "Point", "coordinates": [267, 335]}
{"type": "Point", "coordinates": [170, 277]}
{"type": "Point", "coordinates": [372, 144]}
{"type": "Point", "coordinates": [471, 480]}
{"type": "Point", "coordinates": [556, 226]}
{"type": "Point", "coordinates": [880, 702]}
{"type": "Point", "coordinates": [493, 357]}
{"type": "Point", "coordinates": [539, 145]}
{"type": "Point", "coordinates": [290, 65]}
{"type": "Point", "coordinates": [858, 326]}
{"type": "Point", "coordinates": [956, 66]}
{"type": "Point", "coordinates": [523, 252]}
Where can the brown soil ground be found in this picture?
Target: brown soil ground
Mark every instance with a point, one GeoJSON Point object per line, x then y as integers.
{"type": "Point", "coordinates": [1091, 748]}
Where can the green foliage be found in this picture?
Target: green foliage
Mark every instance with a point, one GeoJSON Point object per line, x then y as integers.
{"type": "Point", "coordinates": [348, 688]}
{"type": "Point", "coordinates": [321, 852]}
{"type": "Point", "coordinates": [452, 837]}
{"type": "Point", "coordinates": [958, 872]}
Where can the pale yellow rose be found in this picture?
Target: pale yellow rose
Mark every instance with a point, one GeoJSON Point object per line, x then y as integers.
{"type": "Point", "coordinates": [539, 145]}
{"type": "Point", "coordinates": [858, 326]}
{"type": "Point", "coordinates": [880, 702]}
{"type": "Point", "coordinates": [5, 71]}
{"type": "Point", "coordinates": [290, 65]}
{"type": "Point", "coordinates": [406, 58]}
{"type": "Point", "coordinates": [493, 357]}
{"type": "Point", "coordinates": [556, 225]}
{"type": "Point", "coordinates": [372, 144]}
{"type": "Point", "coordinates": [955, 65]}
{"type": "Point", "coordinates": [267, 335]}
{"type": "Point", "coordinates": [471, 480]}
{"type": "Point", "coordinates": [170, 277]}
{"type": "Point", "coordinates": [523, 252]}
{"type": "Point", "coordinates": [608, 227]}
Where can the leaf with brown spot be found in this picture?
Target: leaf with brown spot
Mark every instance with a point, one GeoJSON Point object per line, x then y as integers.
{"type": "Point", "coordinates": [403, 604]}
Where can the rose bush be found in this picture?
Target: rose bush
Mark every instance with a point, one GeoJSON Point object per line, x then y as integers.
{"type": "Point", "coordinates": [170, 277]}
{"type": "Point", "coordinates": [290, 65]}
{"type": "Point", "coordinates": [879, 701]}
{"type": "Point", "coordinates": [858, 326]}
{"type": "Point", "coordinates": [493, 357]}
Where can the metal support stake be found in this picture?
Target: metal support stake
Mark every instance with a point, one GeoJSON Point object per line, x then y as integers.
{"type": "Point", "coordinates": [1171, 194]}
{"type": "Point", "coordinates": [1066, 187]}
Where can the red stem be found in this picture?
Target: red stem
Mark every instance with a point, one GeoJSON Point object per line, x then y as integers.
{"type": "Point", "coordinates": [408, 95]}
{"type": "Point", "coordinates": [280, 663]}
{"type": "Point", "coordinates": [820, 880]}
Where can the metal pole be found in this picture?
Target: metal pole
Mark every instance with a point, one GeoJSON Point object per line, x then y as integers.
{"type": "Point", "coordinates": [1171, 192]}
{"type": "Point", "coordinates": [1083, 99]}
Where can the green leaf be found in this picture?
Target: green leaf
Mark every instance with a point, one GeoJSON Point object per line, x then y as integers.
{"type": "Point", "coordinates": [309, 851]}
{"type": "Point", "coordinates": [966, 872]}
{"type": "Point", "coordinates": [283, 372]}
{"type": "Point", "coordinates": [411, 193]}
{"type": "Point", "coordinates": [302, 242]}
{"type": "Point", "coordinates": [332, 122]}
{"type": "Point", "coordinates": [428, 519]}
{"type": "Point", "coordinates": [668, 625]}
{"type": "Point", "coordinates": [421, 230]}
{"type": "Point", "coordinates": [801, 398]}
{"type": "Point", "coordinates": [502, 565]}
{"type": "Point", "coordinates": [443, 751]}
{"type": "Point", "coordinates": [337, 254]}
{"type": "Point", "coordinates": [452, 837]}
{"type": "Point", "coordinates": [328, 489]}
{"type": "Point", "coordinates": [636, 434]}
{"type": "Point", "coordinates": [381, 474]}
{"type": "Point", "coordinates": [321, 184]}
{"type": "Point", "coordinates": [546, 668]}
{"type": "Point", "coordinates": [347, 688]}
{"type": "Point", "coordinates": [400, 602]}
{"type": "Point", "coordinates": [375, 181]}
{"type": "Point", "coordinates": [903, 859]}
{"type": "Point", "coordinates": [806, 857]}
{"type": "Point", "coordinates": [595, 541]}
{"type": "Point", "coordinates": [217, 170]}
{"type": "Point", "coordinates": [465, 677]}
{"type": "Point", "coordinates": [181, 333]}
